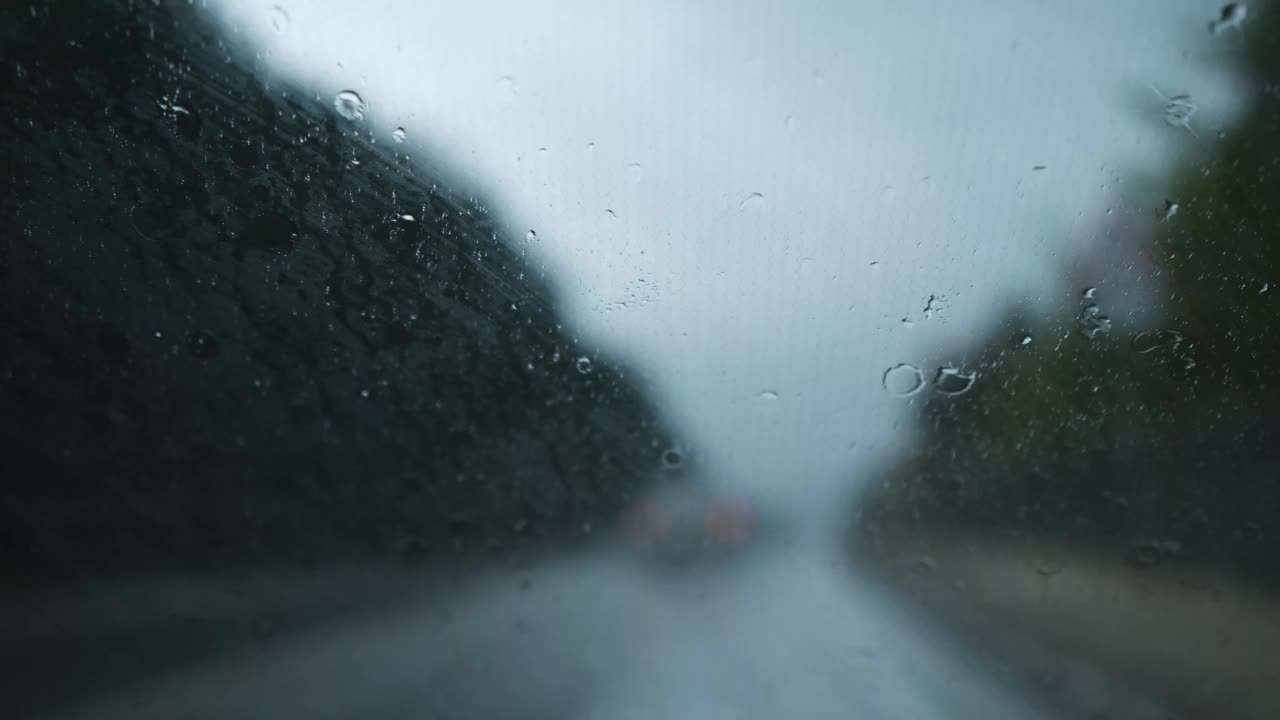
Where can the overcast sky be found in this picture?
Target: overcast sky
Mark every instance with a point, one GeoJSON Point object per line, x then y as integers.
{"type": "Point", "coordinates": [745, 200]}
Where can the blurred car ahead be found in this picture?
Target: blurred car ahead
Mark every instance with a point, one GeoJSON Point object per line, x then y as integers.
{"type": "Point", "coordinates": [681, 523]}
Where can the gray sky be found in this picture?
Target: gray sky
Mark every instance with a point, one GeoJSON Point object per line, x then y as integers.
{"type": "Point", "coordinates": [745, 198]}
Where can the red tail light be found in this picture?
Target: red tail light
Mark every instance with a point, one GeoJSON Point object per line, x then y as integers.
{"type": "Point", "coordinates": [729, 521]}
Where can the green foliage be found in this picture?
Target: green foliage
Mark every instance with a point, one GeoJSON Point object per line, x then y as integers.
{"type": "Point", "coordinates": [227, 345]}
{"type": "Point", "coordinates": [1125, 437]}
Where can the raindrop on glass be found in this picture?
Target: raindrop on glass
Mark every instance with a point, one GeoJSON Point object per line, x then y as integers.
{"type": "Point", "coordinates": [672, 459]}
{"type": "Point", "coordinates": [1153, 341]}
{"type": "Point", "coordinates": [635, 172]}
{"type": "Point", "coordinates": [903, 380]}
{"type": "Point", "coordinates": [1092, 321]}
{"type": "Point", "coordinates": [407, 218]}
{"type": "Point", "coordinates": [752, 200]}
{"type": "Point", "coordinates": [279, 19]}
{"type": "Point", "coordinates": [767, 395]}
{"type": "Point", "coordinates": [398, 134]}
{"type": "Point", "coordinates": [932, 305]}
{"type": "Point", "coordinates": [1178, 111]}
{"type": "Point", "coordinates": [1231, 17]}
{"type": "Point", "coordinates": [584, 365]}
{"type": "Point", "coordinates": [202, 345]}
{"type": "Point", "coordinates": [531, 236]}
{"type": "Point", "coordinates": [349, 105]}
{"type": "Point", "coordinates": [1089, 292]}
{"type": "Point", "coordinates": [1026, 340]}
{"type": "Point", "coordinates": [953, 381]}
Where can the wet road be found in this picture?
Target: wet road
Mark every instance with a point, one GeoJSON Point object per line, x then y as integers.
{"type": "Point", "coordinates": [784, 633]}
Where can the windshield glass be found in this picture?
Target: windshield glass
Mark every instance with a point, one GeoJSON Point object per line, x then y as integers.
{"type": "Point", "coordinates": [671, 360]}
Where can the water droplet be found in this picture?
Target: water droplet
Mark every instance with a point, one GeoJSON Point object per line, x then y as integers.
{"type": "Point", "coordinates": [531, 236]}
{"type": "Point", "coordinates": [1168, 211]}
{"type": "Point", "coordinates": [202, 345]}
{"type": "Point", "coordinates": [875, 265]}
{"type": "Point", "coordinates": [350, 105]}
{"type": "Point", "coordinates": [1089, 292]}
{"type": "Point", "coordinates": [279, 19]}
{"type": "Point", "coordinates": [767, 395]}
{"type": "Point", "coordinates": [926, 562]}
{"type": "Point", "coordinates": [1231, 17]}
{"type": "Point", "coordinates": [903, 380]}
{"type": "Point", "coordinates": [398, 134]}
{"type": "Point", "coordinates": [953, 381]}
{"type": "Point", "coordinates": [1178, 111]}
{"type": "Point", "coordinates": [635, 172]}
{"type": "Point", "coordinates": [1092, 321]}
{"type": "Point", "coordinates": [672, 459]}
{"type": "Point", "coordinates": [1265, 287]}
{"type": "Point", "coordinates": [1156, 341]}
{"type": "Point", "coordinates": [364, 393]}
{"type": "Point", "coordinates": [906, 322]}
{"type": "Point", "coordinates": [932, 305]}
{"type": "Point", "coordinates": [752, 200]}
{"type": "Point", "coordinates": [407, 218]}
{"type": "Point", "coordinates": [584, 365]}
{"type": "Point", "coordinates": [1039, 168]}
{"type": "Point", "coordinates": [1026, 339]}
{"type": "Point", "coordinates": [591, 147]}
{"type": "Point", "coordinates": [610, 215]}
{"type": "Point", "coordinates": [180, 114]}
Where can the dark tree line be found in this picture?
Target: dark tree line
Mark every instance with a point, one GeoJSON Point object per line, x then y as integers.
{"type": "Point", "coordinates": [236, 331]}
{"type": "Point", "coordinates": [1161, 443]}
